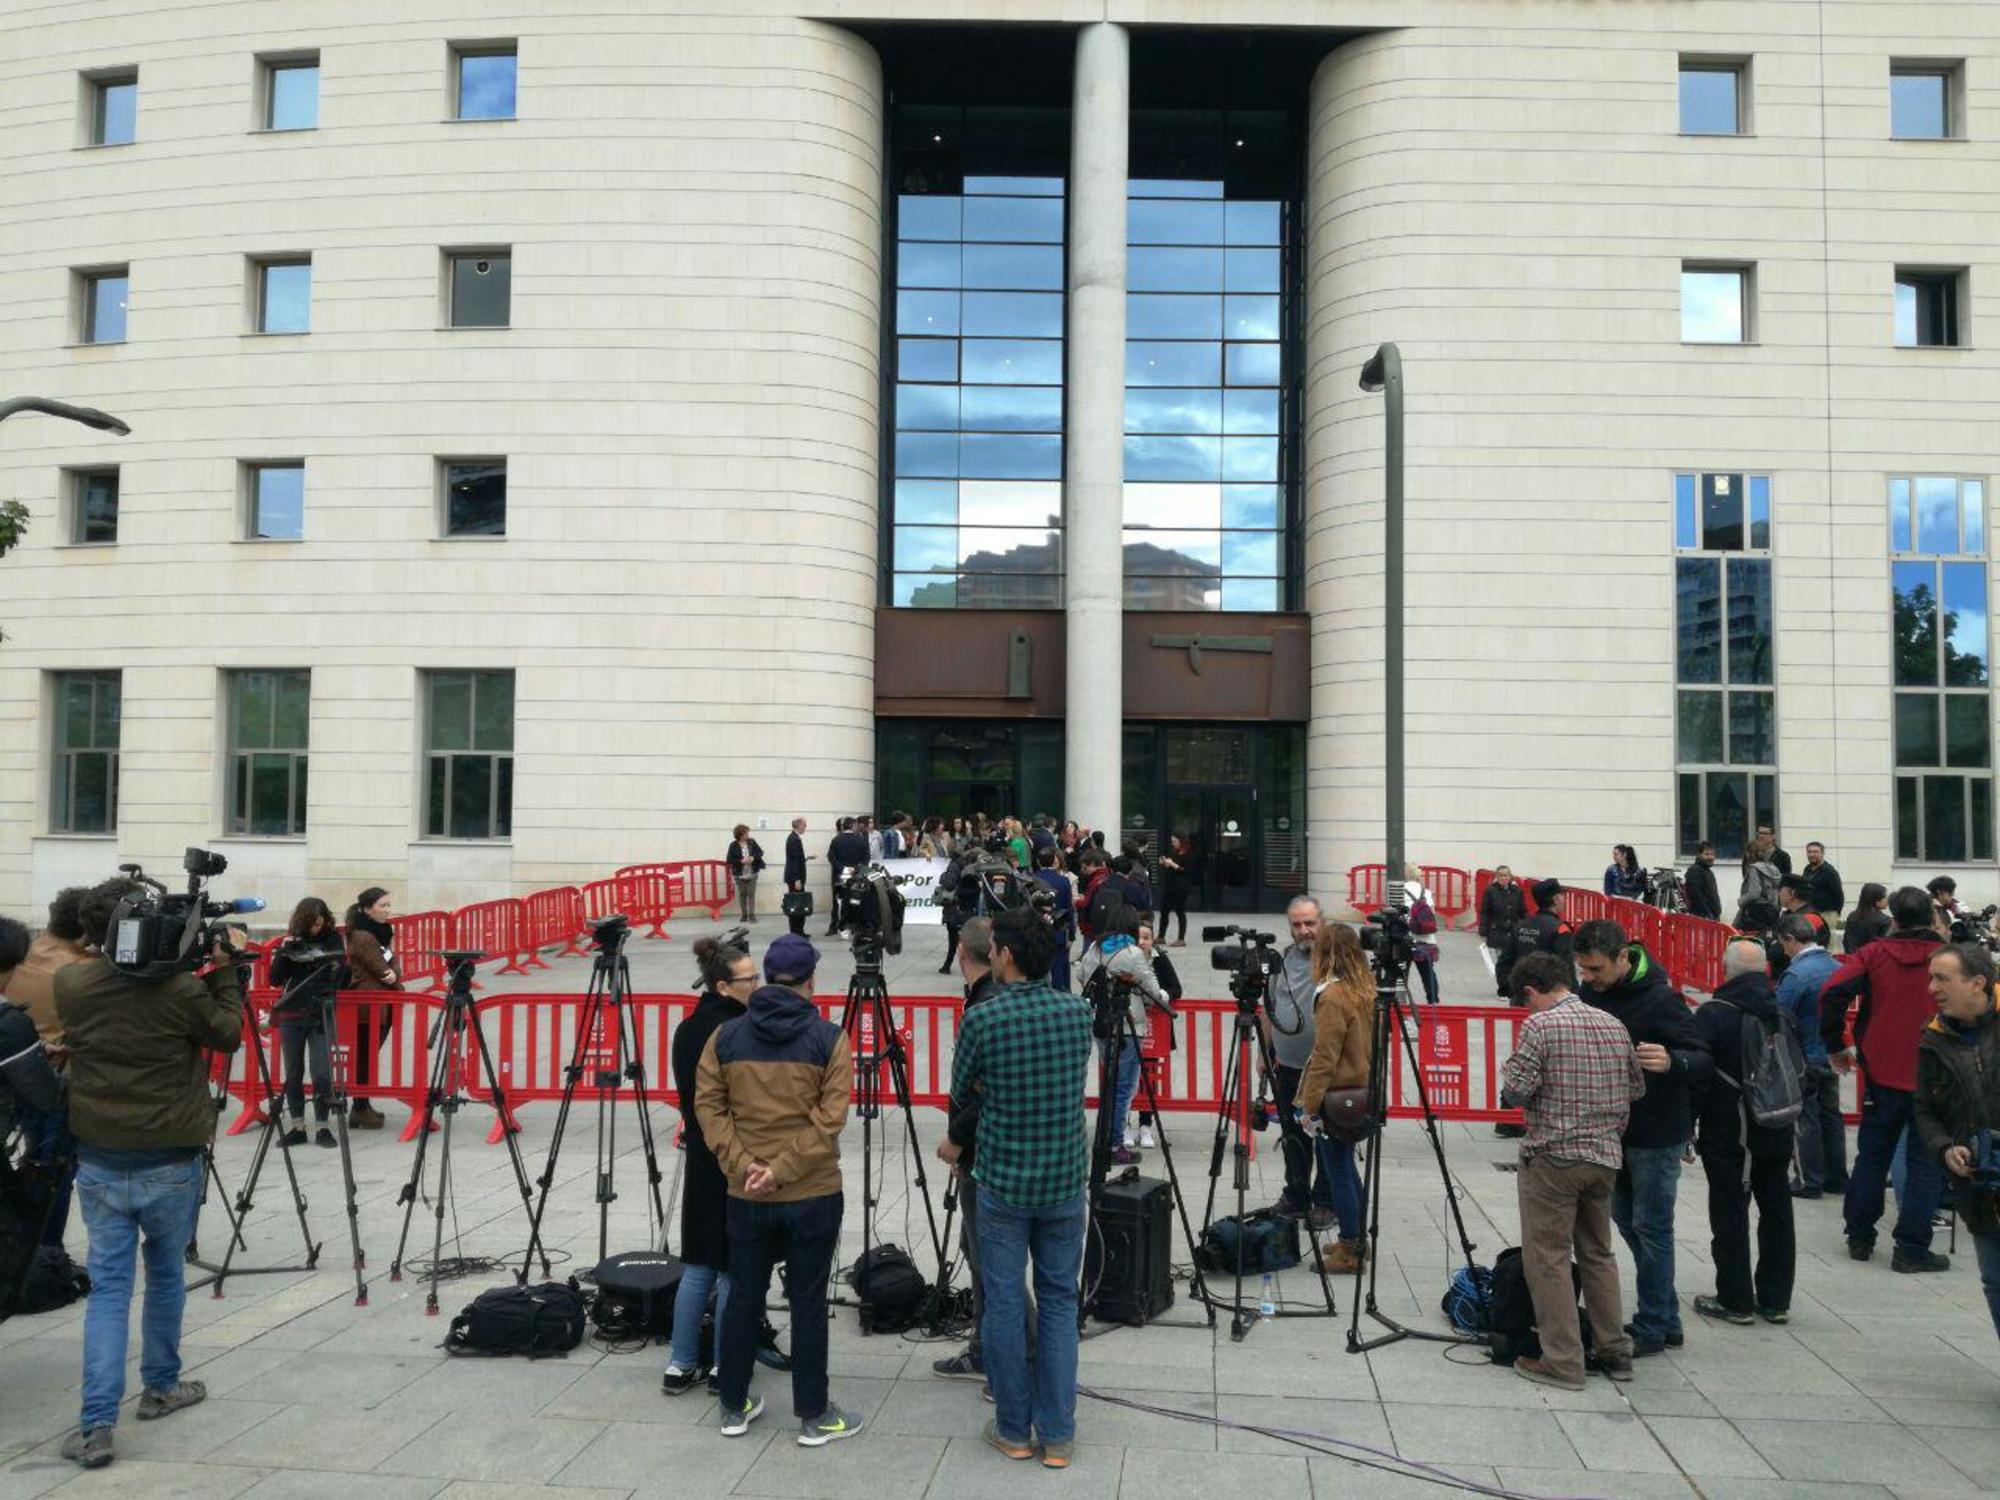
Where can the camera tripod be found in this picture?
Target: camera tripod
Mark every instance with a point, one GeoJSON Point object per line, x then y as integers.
{"type": "Point", "coordinates": [1247, 1046]}
{"type": "Point", "coordinates": [238, 1212]}
{"type": "Point", "coordinates": [607, 1048]}
{"type": "Point", "coordinates": [874, 1040]}
{"type": "Point", "coordinates": [1125, 1032]}
{"type": "Point", "coordinates": [1392, 1007]}
{"type": "Point", "coordinates": [443, 1096]}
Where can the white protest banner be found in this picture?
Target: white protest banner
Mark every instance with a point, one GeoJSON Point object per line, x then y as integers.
{"type": "Point", "coordinates": [917, 879]}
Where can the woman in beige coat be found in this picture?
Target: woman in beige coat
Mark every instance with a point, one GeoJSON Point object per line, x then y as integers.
{"type": "Point", "coordinates": [1343, 1024]}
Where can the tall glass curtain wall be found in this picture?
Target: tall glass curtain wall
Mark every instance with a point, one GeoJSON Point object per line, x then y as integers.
{"type": "Point", "coordinates": [1944, 681]}
{"type": "Point", "coordinates": [1210, 361]}
{"type": "Point", "coordinates": [978, 463]}
{"type": "Point", "coordinates": [1726, 729]}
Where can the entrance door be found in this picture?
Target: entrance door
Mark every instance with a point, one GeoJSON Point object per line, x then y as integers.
{"type": "Point", "coordinates": [1222, 821]}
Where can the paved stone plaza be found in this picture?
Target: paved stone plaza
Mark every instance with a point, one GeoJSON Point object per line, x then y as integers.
{"type": "Point", "coordinates": [1880, 1385]}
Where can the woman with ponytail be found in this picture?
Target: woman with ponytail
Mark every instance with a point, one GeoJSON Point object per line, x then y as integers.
{"type": "Point", "coordinates": [371, 956]}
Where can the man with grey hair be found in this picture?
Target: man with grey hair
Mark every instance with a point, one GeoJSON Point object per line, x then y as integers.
{"type": "Point", "coordinates": [1288, 1027]}
{"type": "Point", "coordinates": [1741, 1158]}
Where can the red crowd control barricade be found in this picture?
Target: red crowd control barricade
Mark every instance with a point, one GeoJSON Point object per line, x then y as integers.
{"type": "Point", "coordinates": [646, 893]}
{"type": "Point", "coordinates": [399, 1064]}
{"type": "Point", "coordinates": [1451, 891]}
{"type": "Point", "coordinates": [1365, 887]}
{"type": "Point", "coordinates": [705, 882]}
{"type": "Point", "coordinates": [499, 929]}
{"type": "Point", "coordinates": [600, 899]}
{"type": "Point", "coordinates": [420, 938]}
{"type": "Point", "coordinates": [554, 917]}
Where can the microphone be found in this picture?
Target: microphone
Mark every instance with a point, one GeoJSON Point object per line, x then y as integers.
{"type": "Point", "coordinates": [243, 905]}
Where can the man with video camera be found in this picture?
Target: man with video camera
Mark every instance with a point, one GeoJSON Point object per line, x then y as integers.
{"type": "Point", "coordinates": [1958, 1099]}
{"type": "Point", "coordinates": [141, 1111]}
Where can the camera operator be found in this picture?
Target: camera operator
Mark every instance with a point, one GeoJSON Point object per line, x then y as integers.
{"type": "Point", "coordinates": [142, 1112]}
{"type": "Point", "coordinates": [1116, 955]}
{"type": "Point", "coordinates": [1172, 990]}
{"type": "Point", "coordinates": [301, 1015]}
{"type": "Point", "coordinates": [1821, 1131]}
{"type": "Point", "coordinates": [49, 1155]}
{"type": "Point", "coordinates": [371, 957]}
{"type": "Point", "coordinates": [1958, 1098]}
{"type": "Point", "coordinates": [846, 852]}
{"type": "Point", "coordinates": [1287, 1023]}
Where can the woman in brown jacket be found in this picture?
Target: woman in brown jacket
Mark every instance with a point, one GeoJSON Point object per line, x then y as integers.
{"type": "Point", "coordinates": [371, 954]}
{"type": "Point", "coordinates": [1343, 1023]}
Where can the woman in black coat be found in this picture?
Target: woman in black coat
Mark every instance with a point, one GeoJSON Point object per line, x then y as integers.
{"type": "Point", "coordinates": [746, 863]}
{"type": "Point", "coordinates": [1870, 918]}
{"type": "Point", "coordinates": [728, 975]}
{"type": "Point", "coordinates": [1178, 868]}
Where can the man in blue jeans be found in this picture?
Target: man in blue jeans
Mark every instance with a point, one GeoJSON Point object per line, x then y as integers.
{"type": "Point", "coordinates": [1025, 1051]}
{"type": "Point", "coordinates": [1626, 980]}
{"type": "Point", "coordinates": [141, 1113]}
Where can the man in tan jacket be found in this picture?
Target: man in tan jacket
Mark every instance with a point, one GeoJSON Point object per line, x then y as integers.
{"type": "Point", "coordinates": [771, 1095]}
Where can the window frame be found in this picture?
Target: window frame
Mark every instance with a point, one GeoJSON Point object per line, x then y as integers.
{"type": "Point", "coordinates": [87, 280]}
{"type": "Point", "coordinates": [1916, 778]}
{"type": "Point", "coordinates": [1725, 686]}
{"type": "Point", "coordinates": [450, 256]}
{"type": "Point", "coordinates": [63, 758]}
{"type": "Point", "coordinates": [444, 465]}
{"type": "Point", "coordinates": [458, 52]}
{"type": "Point", "coordinates": [260, 296]}
{"type": "Point", "coordinates": [252, 470]}
{"type": "Point", "coordinates": [1746, 273]}
{"type": "Point", "coordinates": [427, 680]}
{"type": "Point", "coordinates": [1951, 72]}
{"type": "Point", "coordinates": [269, 65]}
{"type": "Point", "coordinates": [238, 759]}
{"type": "Point", "coordinates": [1740, 66]}
{"type": "Point", "coordinates": [1955, 284]}
{"type": "Point", "coordinates": [91, 110]}
{"type": "Point", "coordinates": [73, 482]}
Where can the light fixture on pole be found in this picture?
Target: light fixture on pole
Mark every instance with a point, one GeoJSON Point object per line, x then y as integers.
{"type": "Point", "coordinates": [89, 416]}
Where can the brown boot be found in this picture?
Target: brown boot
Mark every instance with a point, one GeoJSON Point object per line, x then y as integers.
{"type": "Point", "coordinates": [364, 1117]}
{"type": "Point", "coordinates": [1341, 1257]}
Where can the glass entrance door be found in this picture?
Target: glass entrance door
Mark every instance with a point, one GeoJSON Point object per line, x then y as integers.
{"type": "Point", "coordinates": [1222, 821]}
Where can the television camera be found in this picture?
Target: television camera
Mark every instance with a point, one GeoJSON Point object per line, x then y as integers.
{"type": "Point", "coordinates": [869, 908]}
{"type": "Point", "coordinates": [988, 884]}
{"type": "Point", "coordinates": [1249, 962]}
{"type": "Point", "coordinates": [155, 933]}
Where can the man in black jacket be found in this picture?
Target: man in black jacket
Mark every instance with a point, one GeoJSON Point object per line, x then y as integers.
{"type": "Point", "coordinates": [1624, 979]}
{"type": "Point", "coordinates": [1958, 1095]}
{"type": "Point", "coordinates": [1503, 907]}
{"type": "Point", "coordinates": [1824, 892]}
{"type": "Point", "coordinates": [1741, 1158]}
{"type": "Point", "coordinates": [848, 851]}
{"type": "Point", "coordinates": [795, 870]}
{"type": "Point", "coordinates": [975, 960]}
{"type": "Point", "coordinates": [1703, 899]}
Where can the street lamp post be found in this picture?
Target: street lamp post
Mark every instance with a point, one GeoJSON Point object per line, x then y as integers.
{"type": "Point", "coordinates": [1385, 373]}
{"type": "Point", "coordinates": [90, 416]}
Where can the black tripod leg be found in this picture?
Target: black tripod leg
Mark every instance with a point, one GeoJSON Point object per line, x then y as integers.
{"type": "Point", "coordinates": [454, 1053]}
{"type": "Point", "coordinates": [291, 1168]}
{"type": "Point", "coordinates": [1198, 1286]}
{"type": "Point", "coordinates": [497, 1096]}
{"type": "Point", "coordinates": [433, 1098]}
{"type": "Point", "coordinates": [635, 1071]}
{"type": "Point", "coordinates": [586, 1026]}
{"type": "Point", "coordinates": [899, 1081]}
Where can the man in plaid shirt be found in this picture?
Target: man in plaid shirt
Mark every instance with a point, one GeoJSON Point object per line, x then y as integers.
{"type": "Point", "coordinates": [1575, 1073]}
{"type": "Point", "coordinates": [1025, 1050]}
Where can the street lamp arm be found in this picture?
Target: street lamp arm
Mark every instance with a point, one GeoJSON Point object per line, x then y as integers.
{"type": "Point", "coordinates": [89, 416]}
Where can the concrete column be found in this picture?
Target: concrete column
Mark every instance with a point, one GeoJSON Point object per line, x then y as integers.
{"type": "Point", "coordinates": [1094, 428]}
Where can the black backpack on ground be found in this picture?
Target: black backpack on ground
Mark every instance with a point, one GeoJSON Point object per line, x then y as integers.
{"type": "Point", "coordinates": [531, 1320]}
{"type": "Point", "coordinates": [1510, 1311]}
{"type": "Point", "coordinates": [1269, 1240]}
{"type": "Point", "coordinates": [891, 1290]}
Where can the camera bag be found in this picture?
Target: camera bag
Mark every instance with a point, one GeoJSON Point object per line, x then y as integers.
{"type": "Point", "coordinates": [1269, 1242]}
{"type": "Point", "coordinates": [531, 1320]}
{"type": "Point", "coordinates": [890, 1288]}
{"type": "Point", "coordinates": [635, 1294]}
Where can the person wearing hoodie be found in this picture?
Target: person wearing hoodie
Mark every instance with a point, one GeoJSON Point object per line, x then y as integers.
{"type": "Point", "coordinates": [1958, 1094]}
{"type": "Point", "coordinates": [1891, 979]}
{"type": "Point", "coordinates": [1626, 980]}
{"type": "Point", "coordinates": [771, 1094]}
{"type": "Point", "coordinates": [371, 959]}
{"type": "Point", "coordinates": [1116, 953]}
{"type": "Point", "coordinates": [1822, 1131]}
{"type": "Point", "coordinates": [1741, 1158]}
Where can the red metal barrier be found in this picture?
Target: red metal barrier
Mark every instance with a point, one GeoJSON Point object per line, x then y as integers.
{"type": "Point", "coordinates": [705, 882]}
{"type": "Point", "coordinates": [1364, 888]}
{"type": "Point", "coordinates": [420, 937]}
{"type": "Point", "coordinates": [645, 893]}
{"type": "Point", "coordinates": [496, 928]}
{"type": "Point", "coordinates": [554, 916]}
{"type": "Point", "coordinates": [600, 899]}
{"type": "Point", "coordinates": [1451, 891]}
{"type": "Point", "coordinates": [401, 1066]}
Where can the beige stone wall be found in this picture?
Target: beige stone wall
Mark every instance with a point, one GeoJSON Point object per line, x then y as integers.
{"type": "Point", "coordinates": [1505, 194]}
{"type": "Point", "coordinates": [687, 399]}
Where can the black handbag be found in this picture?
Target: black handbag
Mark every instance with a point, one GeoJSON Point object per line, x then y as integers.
{"type": "Point", "coordinates": [1348, 1114]}
{"type": "Point", "coordinates": [797, 904]}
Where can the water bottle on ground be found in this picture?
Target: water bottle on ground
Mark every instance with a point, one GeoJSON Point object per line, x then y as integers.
{"type": "Point", "coordinates": [1267, 1302]}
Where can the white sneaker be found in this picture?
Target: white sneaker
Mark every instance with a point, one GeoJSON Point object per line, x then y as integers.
{"type": "Point", "coordinates": [1146, 1142]}
{"type": "Point", "coordinates": [1131, 1141]}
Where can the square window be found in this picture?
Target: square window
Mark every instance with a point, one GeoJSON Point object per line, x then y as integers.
{"type": "Point", "coordinates": [283, 295]}
{"type": "Point", "coordinates": [276, 493]}
{"type": "Point", "coordinates": [1714, 96]}
{"type": "Point", "coordinates": [482, 82]}
{"type": "Point", "coordinates": [1715, 304]}
{"type": "Point", "coordinates": [475, 496]}
{"type": "Point", "coordinates": [93, 506]}
{"type": "Point", "coordinates": [104, 297]}
{"type": "Point", "coordinates": [291, 93]}
{"type": "Point", "coordinates": [479, 288]}
{"type": "Point", "coordinates": [1927, 308]}
{"type": "Point", "coordinates": [111, 107]}
{"type": "Point", "coordinates": [1925, 101]}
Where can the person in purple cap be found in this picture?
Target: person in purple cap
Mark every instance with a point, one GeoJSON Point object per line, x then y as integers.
{"type": "Point", "coordinates": [771, 1095]}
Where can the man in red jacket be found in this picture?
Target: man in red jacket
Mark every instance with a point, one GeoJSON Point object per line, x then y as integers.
{"type": "Point", "coordinates": [1891, 978]}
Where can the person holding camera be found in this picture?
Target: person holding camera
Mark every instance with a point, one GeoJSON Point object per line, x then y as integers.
{"type": "Point", "coordinates": [305, 984]}
{"type": "Point", "coordinates": [371, 961]}
{"type": "Point", "coordinates": [142, 1113]}
{"type": "Point", "coordinates": [1958, 1099]}
{"type": "Point", "coordinates": [1287, 1024]}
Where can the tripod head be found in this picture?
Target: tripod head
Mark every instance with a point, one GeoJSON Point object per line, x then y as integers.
{"type": "Point", "coordinates": [459, 964]}
{"type": "Point", "coordinates": [1249, 964]}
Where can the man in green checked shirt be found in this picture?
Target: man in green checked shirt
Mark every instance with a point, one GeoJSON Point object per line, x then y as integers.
{"type": "Point", "coordinates": [1026, 1051]}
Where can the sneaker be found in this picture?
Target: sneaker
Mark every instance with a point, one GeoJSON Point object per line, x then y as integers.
{"type": "Point", "coordinates": [677, 1381]}
{"type": "Point", "coordinates": [1860, 1249]}
{"type": "Point", "coordinates": [1125, 1156]}
{"type": "Point", "coordinates": [1712, 1307]}
{"type": "Point", "coordinates": [1146, 1141]}
{"type": "Point", "coordinates": [1910, 1262]}
{"type": "Point", "coordinates": [89, 1447]}
{"type": "Point", "coordinates": [1541, 1374]}
{"type": "Point", "coordinates": [1057, 1455]}
{"type": "Point", "coordinates": [830, 1426]}
{"type": "Point", "coordinates": [736, 1423]}
{"type": "Point", "coordinates": [1774, 1314]}
{"type": "Point", "coordinates": [296, 1136]}
{"type": "Point", "coordinates": [961, 1366]}
{"type": "Point", "coordinates": [1018, 1450]}
{"type": "Point", "coordinates": [986, 1394]}
{"type": "Point", "coordinates": [324, 1137]}
{"type": "Point", "coordinates": [156, 1404]}
{"type": "Point", "coordinates": [1131, 1141]}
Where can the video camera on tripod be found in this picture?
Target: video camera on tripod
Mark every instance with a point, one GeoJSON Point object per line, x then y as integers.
{"type": "Point", "coordinates": [156, 933]}
{"type": "Point", "coordinates": [988, 884]}
{"type": "Point", "coordinates": [1388, 941]}
{"type": "Point", "coordinates": [869, 908]}
{"type": "Point", "coordinates": [1249, 962]}
{"type": "Point", "coordinates": [1977, 927]}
